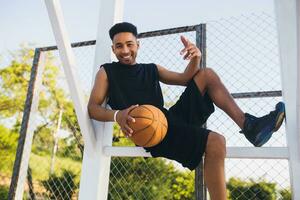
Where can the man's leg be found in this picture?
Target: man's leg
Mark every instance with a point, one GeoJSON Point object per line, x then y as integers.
{"type": "Point", "coordinates": [258, 130]}
{"type": "Point", "coordinates": [208, 81]}
{"type": "Point", "coordinates": [214, 174]}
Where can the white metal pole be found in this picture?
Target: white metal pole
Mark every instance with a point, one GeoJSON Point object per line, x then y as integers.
{"type": "Point", "coordinates": [68, 62]}
{"type": "Point", "coordinates": [232, 152]}
{"type": "Point", "coordinates": [287, 13]}
{"type": "Point", "coordinates": [96, 165]}
{"type": "Point", "coordinates": [55, 136]}
{"type": "Point", "coordinates": [30, 130]}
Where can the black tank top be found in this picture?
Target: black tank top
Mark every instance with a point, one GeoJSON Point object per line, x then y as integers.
{"type": "Point", "coordinates": [133, 84]}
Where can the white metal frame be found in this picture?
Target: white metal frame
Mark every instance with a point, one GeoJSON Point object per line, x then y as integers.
{"type": "Point", "coordinates": [231, 152]}
{"type": "Point", "coordinates": [288, 23]}
{"type": "Point", "coordinates": [30, 130]}
{"type": "Point", "coordinates": [95, 167]}
{"type": "Point", "coordinates": [98, 144]}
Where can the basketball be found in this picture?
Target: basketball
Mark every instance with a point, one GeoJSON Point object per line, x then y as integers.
{"type": "Point", "coordinates": [150, 126]}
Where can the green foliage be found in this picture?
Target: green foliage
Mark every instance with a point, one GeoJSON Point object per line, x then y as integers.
{"type": "Point", "coordinates": [285, 194]}
{"type": "Point", "coordinates": [183, 187]}
{"type": "Point", "coordinates": [4, 192]}
{"type": "Point", "coordinates": [13, 85]}
{"type": "Point", "coordinates": [60, 187]}
{"type": "Point", "coordinates": [242, 190]}
{"type": "Point", "coordinates": [69, 148]}
{"type": "Point", "coordinates": [43, 141]}
{"type": "Point", "coordinates": [7, 139]}
{"type": "Point", "coordinates": [8, 145]}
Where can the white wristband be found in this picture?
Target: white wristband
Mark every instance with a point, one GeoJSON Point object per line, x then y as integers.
{"type": "Point", "coordinates": [115, 115]}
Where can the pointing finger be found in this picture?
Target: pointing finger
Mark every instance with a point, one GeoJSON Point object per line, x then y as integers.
{"type": "Point", "coordinates": [184, 41]}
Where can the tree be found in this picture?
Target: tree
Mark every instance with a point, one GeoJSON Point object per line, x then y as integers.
{"type": "Point", "coordinates": [8, 144]}
{"type": "Point", "coordinates": [14, 80]}
{"type": "Point", "coordinates": [242, 190]}
{"type": "Point", "coordinates": [285, 194]}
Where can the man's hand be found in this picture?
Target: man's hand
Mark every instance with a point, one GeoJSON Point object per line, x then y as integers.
{"type": "Point", "coordinates": [122, 119]}
{"type": "Point", "coordinates": [190, 50]}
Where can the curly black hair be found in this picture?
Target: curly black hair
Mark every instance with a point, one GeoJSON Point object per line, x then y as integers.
{"type": "Point", "coordinates": [122, 27]}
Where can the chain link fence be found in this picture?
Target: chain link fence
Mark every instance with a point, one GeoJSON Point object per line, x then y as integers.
{"type": "Point", "coordinates": [242, 50]}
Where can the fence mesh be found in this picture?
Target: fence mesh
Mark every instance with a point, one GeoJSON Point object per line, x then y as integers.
{"type": "Point", "coordinates": [242, 50]}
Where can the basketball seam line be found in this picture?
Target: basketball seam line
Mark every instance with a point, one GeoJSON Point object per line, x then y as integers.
{"type": "Point", "coordinates": [153, 134]}
{"type": "Point", "coordinates": [138, 131]}
{"type": "Point", "coordinates": [152, 114]}
{"type": "Point", "coordinates": [151, 120]}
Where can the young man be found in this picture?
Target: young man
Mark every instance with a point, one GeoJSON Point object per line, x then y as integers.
{"type": "Point", "coordinates": [128, 84]}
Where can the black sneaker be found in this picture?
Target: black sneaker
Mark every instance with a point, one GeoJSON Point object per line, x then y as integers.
{"type": "Point", "coordinates": [258, 130]}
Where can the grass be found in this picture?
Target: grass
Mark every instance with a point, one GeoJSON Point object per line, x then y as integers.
{"type": "Point", "coordinates": [40, 166]}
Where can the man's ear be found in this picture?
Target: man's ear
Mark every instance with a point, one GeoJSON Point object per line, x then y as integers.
{"type": "Point", "coordinates": [138, 44]}
{"type": "Point", "coordinates": [112, 48]}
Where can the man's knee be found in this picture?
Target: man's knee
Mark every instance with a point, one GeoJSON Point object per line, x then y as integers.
{"type": "Point", "coordinates": [206, 76]}
{"type": "Point", "coordinates": [206, 72]}
{"type": "Point", "coordinates": [211, 75]}
{"type": "Point", "coordinates": [216, 146]}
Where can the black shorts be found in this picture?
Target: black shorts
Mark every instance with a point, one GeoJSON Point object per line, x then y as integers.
{"type": "Point", "coordinates": [186, 139]}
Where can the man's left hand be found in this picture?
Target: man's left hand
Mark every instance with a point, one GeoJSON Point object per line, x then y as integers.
{"type": "Point", "coordinates": [190, 50]}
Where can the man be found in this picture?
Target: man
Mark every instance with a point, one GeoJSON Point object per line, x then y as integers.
{"type": "Point", "coordinates": [128, 84]}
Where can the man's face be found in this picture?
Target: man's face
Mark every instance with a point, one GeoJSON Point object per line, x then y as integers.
{"type": "Point", "coordinates": [125, 47]}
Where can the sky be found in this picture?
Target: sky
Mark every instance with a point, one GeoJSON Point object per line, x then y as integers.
{"type": "Point", "coordinates": [27, 21]}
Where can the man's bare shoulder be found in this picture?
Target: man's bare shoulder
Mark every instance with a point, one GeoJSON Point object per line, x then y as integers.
{"type": "Point", "coordinates": [101, 74]}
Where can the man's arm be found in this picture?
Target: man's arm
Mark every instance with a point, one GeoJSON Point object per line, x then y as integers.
{"type": "Point", "coordinates": [193, 54]}
{"type": "Point", "coordinates": [97, 97]}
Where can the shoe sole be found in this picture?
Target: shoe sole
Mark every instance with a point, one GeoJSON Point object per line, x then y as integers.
{"type": "Point", "coordinates": [280, 117]}
{"type": "Point", "coordinates": [279, 120]}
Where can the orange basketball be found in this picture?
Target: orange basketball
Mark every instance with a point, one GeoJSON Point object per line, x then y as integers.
{"type": "Point", "coordinates": [150, 126]}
